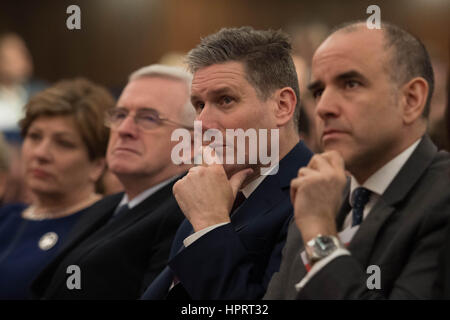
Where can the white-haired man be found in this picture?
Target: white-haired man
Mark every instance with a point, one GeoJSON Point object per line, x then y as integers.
{"type": "Point", "coordinates": [124, 241]}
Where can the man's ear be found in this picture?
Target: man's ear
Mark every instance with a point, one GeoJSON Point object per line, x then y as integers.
{"type": "Point", "coordinates": [414, 98]}
{"type": "Point", "coordinates": [286, 101]}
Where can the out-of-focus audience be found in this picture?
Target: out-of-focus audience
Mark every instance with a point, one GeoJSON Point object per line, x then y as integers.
{"type": "Point", "coordinates": [123, 242]}
{"type": "Point", "coordinates": [438, 126]}
{"type": "Point", "coordinates": [63, 156]}
{"type": "Point", "coordinates": [174, 59]}
{"type": "Point", "coordinates": [307, 127]}
{"type": "Point", "coordinates": [16, 83]}
{"type": "Point", "coordinates": [17, 190]}
{"type": "Point", "coordinates": [17, 86]}
{"type": "Point", "coordinates": [305, 39]}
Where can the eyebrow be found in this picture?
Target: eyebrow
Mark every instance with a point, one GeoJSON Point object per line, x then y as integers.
{"type": "Point", "coordinates": [63, 134]}
{"type": "Point", "coordinates": [219, 91]}
{"type": "Point", "coordinates": [315, 85]}
{"type": "Point", "coordinates": [194, 99]}
{"type": "Point", "coordinates": [56, 133]}
{"type": "Point", "coordinates": [350, 75]}
{"type": "Point", "coordinates": [213, 92]}
{"type": "Point", "coordinates": [139, 109]}
{"type": "Point", "coordinates": [340, 77]}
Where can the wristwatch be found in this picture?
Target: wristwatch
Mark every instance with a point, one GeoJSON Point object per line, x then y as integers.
{"type": "Point", "coordinates": [322, 246]}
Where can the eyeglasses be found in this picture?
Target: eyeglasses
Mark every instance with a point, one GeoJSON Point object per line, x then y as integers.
{"type": "Point", "coordinates": [145, 119]}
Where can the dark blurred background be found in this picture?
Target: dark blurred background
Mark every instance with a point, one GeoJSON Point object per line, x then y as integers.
{"type": "Point", "coordinates": [118, 36]}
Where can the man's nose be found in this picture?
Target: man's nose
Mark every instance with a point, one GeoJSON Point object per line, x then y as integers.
{"type": "Point", "coordinates": [328, 104]}
{"type": "Point", "coordinates": [208, 117]}
{"type": "Point", "coordinates": [128, 127]}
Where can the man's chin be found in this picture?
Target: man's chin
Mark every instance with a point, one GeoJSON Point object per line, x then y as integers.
{"type": "Point", "coordinates": [338, 147]}
{"type": "Point", "coordinates": [122, 169]}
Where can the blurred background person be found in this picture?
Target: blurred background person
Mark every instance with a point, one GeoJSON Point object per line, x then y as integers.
{"type": "Point", "coordinates": [305, 39]}
{"type": "Point", "coordinates": [174, 59]}
{"type": "Point", "coordinates": [437, 127]}
{"type": "Point", "coordinates": [12, 187]}
{"type": "Point", "coordinates": [306, 124]}
{"type": "Point", "coordinates": [63, 156]}
{"type": "Point", "coordinates": [16, 190]}
{"type": "Point", "coordinates": [16, 84]}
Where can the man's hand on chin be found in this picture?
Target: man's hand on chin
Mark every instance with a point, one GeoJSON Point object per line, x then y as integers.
{"type": "Point", "coordinates": [206, 195]}
{"type": "Point", "coordinates": [316, 195]}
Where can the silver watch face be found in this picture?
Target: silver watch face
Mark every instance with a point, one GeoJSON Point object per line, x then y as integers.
{"type": "Point", "coordinates": [324, 245]}
{"type": "Point", "coordinates": [321, 247]}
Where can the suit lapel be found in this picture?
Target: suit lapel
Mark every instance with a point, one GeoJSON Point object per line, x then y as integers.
{"type": "Point", "coordinates": [107, 231]}
{"type": "Point", "coordinates": [146, 207]}
{"type": "Point", "coordinates": [273, 189]}
{"type": "Point", "coordinates": [363, 241]}
{"type": "Point", "coordinates": [345, 208]}
{"type": "Point", "coordinates": [95, 217]}
{"type": "Point", "coordinates": [258, 204]}
{"type": "Point", "coordinates": [411, 172]}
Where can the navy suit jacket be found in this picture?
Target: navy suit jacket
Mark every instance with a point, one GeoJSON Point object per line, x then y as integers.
{"type": "Point", "coordinates": [236, 260]}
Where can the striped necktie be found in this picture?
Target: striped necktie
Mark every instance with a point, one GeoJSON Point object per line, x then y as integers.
{"type": "Point", "coordinates": [360, 197]}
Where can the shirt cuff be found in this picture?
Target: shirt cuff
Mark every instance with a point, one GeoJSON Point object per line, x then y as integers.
{"type": "Point", "coordinates": [193, 237]}
{"type": "Point", "coordinates": [319, 265]}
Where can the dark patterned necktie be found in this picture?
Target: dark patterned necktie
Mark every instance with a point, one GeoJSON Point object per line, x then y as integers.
{"type": "Point", "coordinates": [121, 211]}
{"type": "Point", "coordinates": [359, 200]}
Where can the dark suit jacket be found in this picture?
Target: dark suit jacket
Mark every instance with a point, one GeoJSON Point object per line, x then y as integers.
{"type": "Point", "coordinates": [237, 260]}
{"type": "Point", "coordinates": [402, 235]}
{"type": "Point", "coordinates": [118, 260]}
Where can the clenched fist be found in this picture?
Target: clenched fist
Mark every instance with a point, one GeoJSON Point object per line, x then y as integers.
{"type": "Point", "coordinates": [316, 195]}
{"type": "Point", "coordinates": [206, 195]}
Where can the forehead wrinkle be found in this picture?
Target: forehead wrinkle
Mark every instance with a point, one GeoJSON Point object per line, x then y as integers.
{"type": "Point", "coordinates": [216, 88]}
{"type": "Point", "coordinates": [135, 100]}
{"type": "Point", "coordinates": [217, 80]}
{"type": "Point", "coordinates": [359, 50]}
{"type": "Point", "coordinates": [152, 92]}
{"type": "Point", "coordinates": [340, 65]}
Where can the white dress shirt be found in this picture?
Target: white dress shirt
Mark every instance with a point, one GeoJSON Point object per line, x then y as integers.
{"type": "Point", "coordinates": [143, 195]}
{"type": "Point", "coordinates": [377, 184]}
